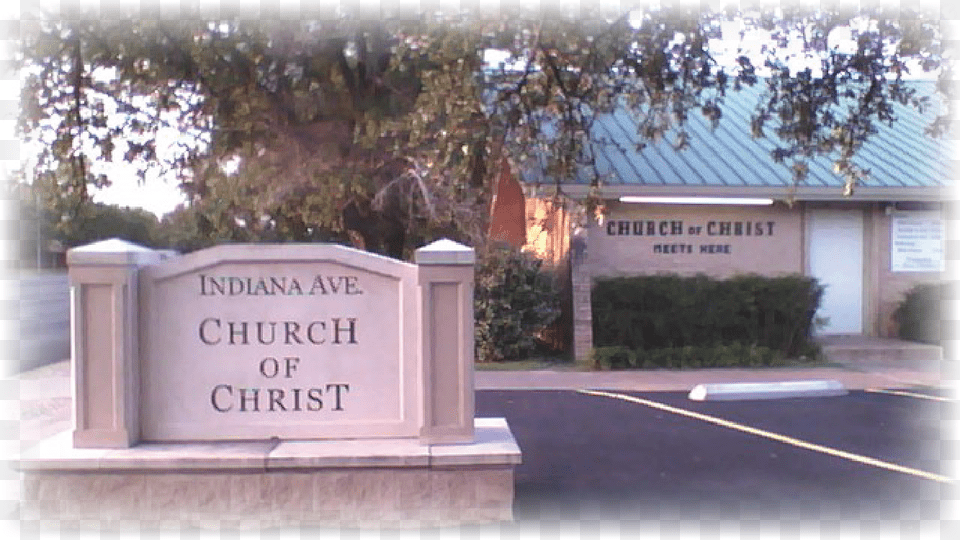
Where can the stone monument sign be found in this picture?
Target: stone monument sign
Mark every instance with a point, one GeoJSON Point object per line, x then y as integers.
{"type": "Point", "coordinates": [278, 368]}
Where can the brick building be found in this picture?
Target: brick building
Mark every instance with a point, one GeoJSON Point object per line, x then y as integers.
{"type": "Point", "coordinates": [723, 206]}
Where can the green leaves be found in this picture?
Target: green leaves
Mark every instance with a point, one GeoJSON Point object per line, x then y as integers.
{"type": "Point", "coordinates": [919, 316]}
{"type": "Point", "coordinates": [670, 311]}
{"type": "Point", "coordinates": [514, 299]}
{"type": "Point", "coordinates": [303, 106]}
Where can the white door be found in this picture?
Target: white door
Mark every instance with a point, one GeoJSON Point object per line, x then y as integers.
{"type": "Point", "coordinates": [836, 259]}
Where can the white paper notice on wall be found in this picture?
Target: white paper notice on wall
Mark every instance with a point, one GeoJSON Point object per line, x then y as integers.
{"type": "Point", "coordinates": [916, 242]}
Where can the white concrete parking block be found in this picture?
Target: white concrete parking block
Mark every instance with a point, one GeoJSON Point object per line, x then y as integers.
{"type": "Point", "coordinates": [766, 390]}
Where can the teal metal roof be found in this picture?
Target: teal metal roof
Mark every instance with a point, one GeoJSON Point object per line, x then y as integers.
{"type": "Point", "coordinates": [901, 158]}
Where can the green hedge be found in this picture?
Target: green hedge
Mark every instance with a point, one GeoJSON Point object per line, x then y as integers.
{"type": "Point", "coordinates": [919, 316]}
{"type": "Point", "coordinates": [671, 312]}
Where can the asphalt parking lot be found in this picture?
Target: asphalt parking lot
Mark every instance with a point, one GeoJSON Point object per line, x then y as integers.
{"type": "Point", "coordinates": [644, 456]}
{"type": "Point", "coordinates": [641, 455]}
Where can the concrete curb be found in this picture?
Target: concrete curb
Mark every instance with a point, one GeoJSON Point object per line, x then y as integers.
{"type": "Point", "coordinates": [766, 390]}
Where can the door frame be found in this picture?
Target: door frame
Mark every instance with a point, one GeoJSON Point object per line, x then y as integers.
{"type": "Point", "coordinates": [811, 215]}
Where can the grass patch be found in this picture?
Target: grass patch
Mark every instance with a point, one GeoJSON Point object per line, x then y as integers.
{"type": "Point", "coordinates": [539, 363]}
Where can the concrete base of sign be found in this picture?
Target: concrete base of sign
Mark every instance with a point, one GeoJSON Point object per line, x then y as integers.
{"type": "Point", "coordinates": [259, 484]}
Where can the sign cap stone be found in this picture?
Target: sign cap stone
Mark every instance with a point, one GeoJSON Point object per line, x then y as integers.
{"type": "Point", "coordinates": [113, 251]}
{"type": "Point", "coordinates": [445, 251]}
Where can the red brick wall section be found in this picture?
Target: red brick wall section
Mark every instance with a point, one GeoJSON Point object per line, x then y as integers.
{"type": "Point", "coordinates": [508, 211]}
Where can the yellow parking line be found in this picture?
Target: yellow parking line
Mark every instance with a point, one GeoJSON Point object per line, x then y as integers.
{"type": "Point", "coordinates": [775, 436]}
{"type": "Point", "coordinates": [906, 394]}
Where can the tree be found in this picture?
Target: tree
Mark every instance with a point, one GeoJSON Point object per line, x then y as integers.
{"type": "Point", "coordinates": [43, 209]}
{"type": "Point", "coordinates": [387, 127]}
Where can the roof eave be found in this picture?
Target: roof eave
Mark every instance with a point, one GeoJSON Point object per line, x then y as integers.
{"type": "Point", "coordinates": [861, 194]}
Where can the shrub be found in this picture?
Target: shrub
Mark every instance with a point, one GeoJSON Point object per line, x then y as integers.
{"type": "Point", "coordinates": [514, 299]}
{"type": "Point", "coordinates": [612, 358]}
{"type": "Point", "coordinates": [670, 312]}
{"type": "Point", "coordinates": [919, 315]}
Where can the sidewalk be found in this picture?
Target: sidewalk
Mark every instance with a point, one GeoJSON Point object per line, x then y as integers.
{"type": "Point", "coordinates": [857, 362]}
{"type": "Point", "coordinates": [684, 380]}
{"type": "Point", "coordinates": [45, 402]}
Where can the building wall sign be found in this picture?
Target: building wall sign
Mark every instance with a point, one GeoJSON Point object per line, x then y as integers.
{"type": "Point", "coordinates": [705, 237]}
{"type": "Point", "coordinates": [718, 241]}
{"type": "Point", "coordinates": [916, 242]}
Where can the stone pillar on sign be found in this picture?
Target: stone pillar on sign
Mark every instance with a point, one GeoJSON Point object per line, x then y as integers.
{"type": "Point", "coordinates": [104, 341]}
{"type": "Point", "coordinates": [445, 280]}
